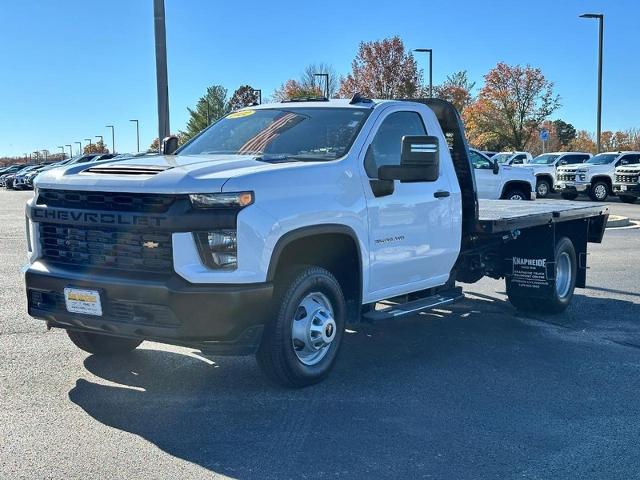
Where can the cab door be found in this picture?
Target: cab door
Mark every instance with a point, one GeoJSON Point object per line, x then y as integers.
{"type": "Point", "coordinates": [411, 241]}
{"type": "Point", "coordinates": [488, 183]}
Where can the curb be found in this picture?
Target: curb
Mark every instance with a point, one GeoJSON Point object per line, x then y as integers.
{"type": "Point", "coordinates": [618, 221]}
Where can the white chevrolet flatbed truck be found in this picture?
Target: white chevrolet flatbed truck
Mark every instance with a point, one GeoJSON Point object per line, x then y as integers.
{"type": "Point", "coordinates": [279, 224]}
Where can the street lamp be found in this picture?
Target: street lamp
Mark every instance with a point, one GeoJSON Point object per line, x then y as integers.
{"type": "Point", "coordinates": [430, 52]}
{"type": "Point", "coordinates": [326, 82]}
{"type": "Point", "coordinates": [600, 18]}
{"type": "Point", "coordinates": [101, 142]}
{"type": "Point", "coordinates": [138, 132]}
{"type": "Point", "coordinates": [80, 144]}
{"type": "Point", "coordinates": [88, 140]}
{"type": "Point", "coordinates": [113, 138]}
{"type": "Point", "coordinates": [70, 150]}
{"type": "Point", "coordinates": [61, 147]}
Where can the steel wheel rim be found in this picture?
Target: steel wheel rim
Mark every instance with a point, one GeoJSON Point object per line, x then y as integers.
{"type": "Point", "coordinates": [313, 328]}
{"type": "Point", "coordinates": [542, 189]}
{"type": "Point", "coordinates": [563, 275]}
{"type": "Point", "coordinates": [600, 191]}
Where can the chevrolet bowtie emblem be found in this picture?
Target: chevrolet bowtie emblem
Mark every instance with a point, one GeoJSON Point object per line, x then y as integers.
{"type": "Point", "coordinates": [150, 244]}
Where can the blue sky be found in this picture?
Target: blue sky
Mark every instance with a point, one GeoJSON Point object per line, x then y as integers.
{"type": "Point", "coordinates": [70, 67]}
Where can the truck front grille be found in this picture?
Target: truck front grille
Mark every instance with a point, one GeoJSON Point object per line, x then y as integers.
{"type": "Point", "coordinates": [110, 201]}
{"type": "Point", "coordinates": [91, 247]}
{"type": "Point", "coordinates": [567, 177]}
{"type": "Point", "coordinates": [627, 178]}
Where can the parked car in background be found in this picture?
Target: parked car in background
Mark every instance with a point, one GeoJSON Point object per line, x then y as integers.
{"type": "Point", "coordinates": [489, 153]}
{"type": "Point", "coordinates": [8, 174]}
{"type": "Point", "coordinates": [544, 168]}
{"type": "Point", "coordinates": [626, 182]}
{"type": "Point", "coordinates": [19, 182]}
{"type": "Point", "coordinates": [495, 181]}
{"type": "Point", "coordinates": [594, 177]}
{"type": "Point", "coordinates": [512, 158]}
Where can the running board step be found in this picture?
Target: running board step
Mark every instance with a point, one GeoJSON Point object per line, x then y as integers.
{"type": "Point", "coordinates": [415, 306]}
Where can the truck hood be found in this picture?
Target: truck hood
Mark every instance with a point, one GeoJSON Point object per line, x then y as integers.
{"type": "Point", "coordinates": [157, 174]}
{"type": "Point", "coordinates": [583, 167]}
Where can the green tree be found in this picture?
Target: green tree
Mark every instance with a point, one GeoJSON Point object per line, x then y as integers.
{"type": "Point", "coordinates": [457, 89]}
{"type": "Point", "coordinates": [565, 132]}
{"type": "Point", "coordinates": [210, 107]}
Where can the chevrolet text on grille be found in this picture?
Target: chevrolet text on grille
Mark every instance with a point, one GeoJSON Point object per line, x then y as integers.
{"type": "Point", "coordinates": [96, 217]}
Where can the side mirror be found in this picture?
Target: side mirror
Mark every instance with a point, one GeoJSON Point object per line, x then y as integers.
{"type": "Point", "coordinates": [496, 168]}
{"type": "Point", "coordinates": [169, 145]}
{"type": "Point", "coordinates": [419, 161]}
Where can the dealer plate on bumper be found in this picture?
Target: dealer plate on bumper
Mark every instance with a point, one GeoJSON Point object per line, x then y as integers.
{"type": "Point", "coordinates": [83, 301]}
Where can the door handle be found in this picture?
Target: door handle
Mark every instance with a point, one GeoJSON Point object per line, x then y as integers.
{"type": "Point", "coordinates": [441, 194]}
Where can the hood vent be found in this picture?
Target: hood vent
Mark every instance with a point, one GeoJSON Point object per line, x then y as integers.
{"type": "Point", "coordinates": [128, 169]}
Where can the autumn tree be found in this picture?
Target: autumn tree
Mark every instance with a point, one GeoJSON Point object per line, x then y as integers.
{"type": "Point", "coordinates": [155, 145]}
{"type": "Point", "coordinates": [97, 147]}
{"type": "Point", "coordinates": [511, 107]}
{"type": "Point", "coordinates": [295, 89]}
{"type": "Point", "coordinates": [382, 69]}
{"type": "Point", "coordinates": [457, 89]}
{"type": "Point", "coordinates": [210, 107]}
{"type": "Point", "coordinates": [582, 142]}
{"type": "Point", "coordinates": [244, 96]}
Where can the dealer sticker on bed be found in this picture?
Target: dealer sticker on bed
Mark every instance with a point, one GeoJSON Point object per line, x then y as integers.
{"type": "Point", "coordinates": [83, 301]}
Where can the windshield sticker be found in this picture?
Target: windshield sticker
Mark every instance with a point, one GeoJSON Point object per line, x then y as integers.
{"type": "Point", "coordinates": [241, 113]}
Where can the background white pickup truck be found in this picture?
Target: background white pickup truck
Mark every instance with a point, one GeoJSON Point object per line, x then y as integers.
{"type": "Point", "coordinates": [544, 168]}
{"type": "Point", "coordinates": [279, 224]}
{"type": "Point", "coordinates": [594, 177]}
{"type": "Point", "coordinates": [626, 183]}
{"type": "Point", "coordinates": [512, 158]}
{"type": "Point", "coordinates": [496, 181]}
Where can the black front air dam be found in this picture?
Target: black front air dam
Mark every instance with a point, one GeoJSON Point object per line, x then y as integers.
{"type": "Point", "coordinates": [222, 319]}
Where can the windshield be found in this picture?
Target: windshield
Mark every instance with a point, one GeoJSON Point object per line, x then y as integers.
{"type": "Point", "coordinates": [602, 158]}
{"type": "Point", "coordinates": [502, 157]}
{"type": "Point", "coordinates": [545, 159]}
{"type": "Point", "coordinates": [299, 133]}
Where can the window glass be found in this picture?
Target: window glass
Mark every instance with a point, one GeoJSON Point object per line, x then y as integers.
{"type": "Point", "coordinates": [386, 147]}
{"type": "Point", "coordinates": [630, 159]}
{"type": "Point", "coordinates": [479, 161]}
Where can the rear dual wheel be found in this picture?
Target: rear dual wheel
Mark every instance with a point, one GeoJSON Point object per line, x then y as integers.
{"type": "Point", "coordinates": [565, 283]}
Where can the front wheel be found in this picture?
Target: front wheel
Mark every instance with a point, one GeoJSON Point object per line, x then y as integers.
{"type": "Point", "coordinates": [565, 283]}
{"type": "Point", "coordinates": [569, 196]}
{"type": "Point", "coordinates": [627, 199]}
{"type": "Point", "coordinates": [102, 344]}
{"type": "Point", "coordinates": [599, 191]}
{"type": "Point", "coordinates": [543, 188]}
{"type": "Point", "coordinates": [515, 194]}
{"type": "Point", "coordinates": [300, 344]}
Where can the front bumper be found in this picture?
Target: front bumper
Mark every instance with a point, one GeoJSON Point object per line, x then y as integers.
{"type": "Point", "coordinates": [630, 190]}
{"type": "Point", "coordinates": [573, 187]}
{"type": "Point", "coordinates": [217, 319]}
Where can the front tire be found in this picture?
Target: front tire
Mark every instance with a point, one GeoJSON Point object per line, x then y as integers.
{"type": "Point", "coordinates": [565, 283]}
{"type": "Point", "coordinates": [543, 188]}
{"type": "Point", "coordinates": [569, 196]}
{"type": "Point", "coordinates": [301, 342]}
{"type": "Point", "coordinates": [102, 344]}
{"type": "Point", "coordinates": [515, 194]}
{"type": "Point", "coordinates": [627, 199]}
{"type": "Point", "coordinates": [599, 191]}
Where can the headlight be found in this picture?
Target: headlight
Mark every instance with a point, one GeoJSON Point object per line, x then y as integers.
{"type": "Point", "coordinates": [218, 249]}
{"type": "Point", "coordinates": [220, 200]}
{"type": "Point", "coordinates": [583, 177]}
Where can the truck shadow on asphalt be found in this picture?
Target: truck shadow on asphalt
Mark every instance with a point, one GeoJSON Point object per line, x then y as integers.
{"type": "Point", "coordinates": [469, 391]}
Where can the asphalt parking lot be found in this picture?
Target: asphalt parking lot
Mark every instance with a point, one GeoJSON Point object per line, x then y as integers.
{"type": "Point", "coordinates": [472, 391]}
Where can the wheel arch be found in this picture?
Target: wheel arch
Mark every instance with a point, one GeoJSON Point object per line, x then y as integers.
{"type": "Point", "coordinates": [602, 178]}
{"type": "Point", "coordinates": [520, 184]}
{"type": "Point", "coordinates": [332, 246]}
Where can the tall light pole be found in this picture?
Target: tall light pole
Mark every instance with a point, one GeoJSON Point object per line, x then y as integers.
{"type": "Point", "coordinates": [101, 142]}
{"type": "Point", "coordinates": [113, 138]}
{"type": "Point", "coordinates": [61, 147]}
{"type": "Point", "coordinates": [161, 70]}
{"type": "Point", "coordinates": [80, 145]}
{"type": "Point", "coordinates": [138, 133]}
{"type": "Point", "coordinates": [70, 150]}
{"type": "Point", "coordinates": [326, 83]}
{"type": "Point", "coordinates": [430, 52]}
{"type": "Point", "coordinates": [600, 18]}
